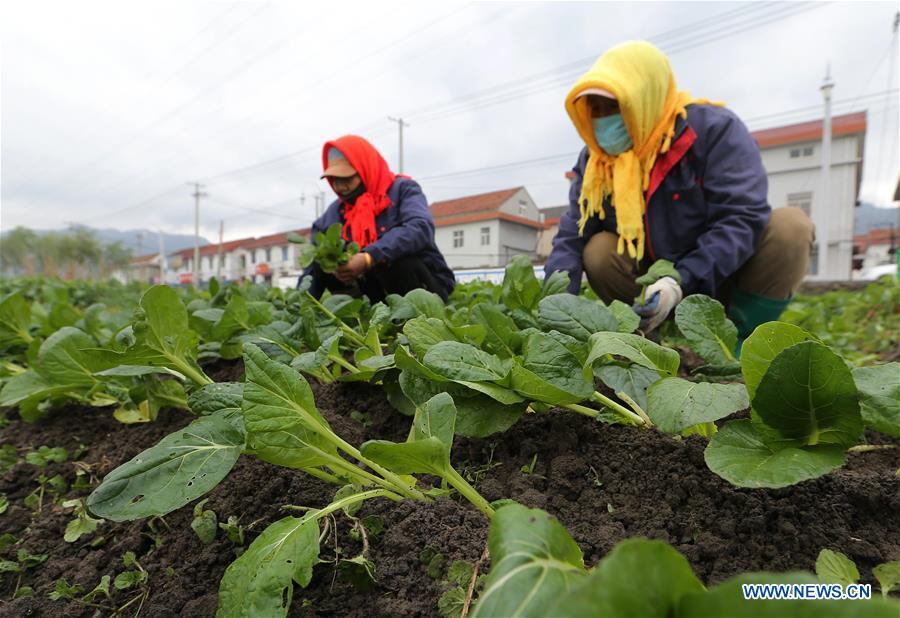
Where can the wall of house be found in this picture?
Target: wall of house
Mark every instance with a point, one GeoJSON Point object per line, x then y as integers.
{"type": "Point", "coordinates": [521, 205]}
{"type": "Point", "coordinates": [472, 253]}
{"type": "Point", "coordinates": [796, 181]}
{"type": "Point", "coordinates": [516, 239]}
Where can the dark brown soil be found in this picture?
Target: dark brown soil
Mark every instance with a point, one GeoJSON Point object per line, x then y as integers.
{"type": "Point", "coordinates": [604, 483]}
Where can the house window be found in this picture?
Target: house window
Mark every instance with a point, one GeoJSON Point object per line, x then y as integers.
{"type": "Point", "coordinates": [268, 255]}
{"type": "Point", "coordinates": [209, 263]}
{"type": "Point", "coordinates": [284, 254]}
{"type": "Point", "coordinates": [807, 152]}
{"type": "Point", "coordinates": [795, 152]}
{"type": "Point", "coordinates": [253, 257]}
{"type": "Point", "coordinates": [522, 205]}
{"type": "Point", "coordinates": [800, 200]}
{"type": "Point", "coordinates": [457, 239]}
{"type": "Point", "coordinates": [485, 236]}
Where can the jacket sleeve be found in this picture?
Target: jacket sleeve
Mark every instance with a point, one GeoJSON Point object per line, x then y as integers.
{"type": "Point", "coordinates": [735, 187]}
{"type": "Point", "coordinates": [568, 244]}
{"type": "Point", "coordinates": [414, 231]}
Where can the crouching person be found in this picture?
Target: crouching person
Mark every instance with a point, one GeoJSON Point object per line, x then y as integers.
{"type": "Point", "coordinates": [663, 175]}
{"type": "Point", "coordinates": [387, 215]}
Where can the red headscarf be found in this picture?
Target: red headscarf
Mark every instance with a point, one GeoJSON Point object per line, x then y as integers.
{"type": "Point", "coordinates": [377, 177]}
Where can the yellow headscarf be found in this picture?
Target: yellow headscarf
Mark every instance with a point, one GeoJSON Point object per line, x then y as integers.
{"type": "Point", "coordinates": [640, 77]}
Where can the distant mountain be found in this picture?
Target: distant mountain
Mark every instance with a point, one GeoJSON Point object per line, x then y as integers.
{"type": "Point", "coordinates": [868, 216]}
{"type": "Point", "coordinates": [142, 242]}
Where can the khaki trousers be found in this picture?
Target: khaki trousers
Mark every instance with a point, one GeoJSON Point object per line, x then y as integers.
{"type": "Point", "coordinates": [775, 270]}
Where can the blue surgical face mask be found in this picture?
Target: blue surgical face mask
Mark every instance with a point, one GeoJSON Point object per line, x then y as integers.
{"type": "Point", "coordinates": [611, 134]}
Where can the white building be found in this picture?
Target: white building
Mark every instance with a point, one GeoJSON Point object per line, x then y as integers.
{"type": "Point", "coordinates": [260, 260]}
{"type": "Point", "coordinates": [487, 230]}
{"type": "Point", "coordinates": [792, 158]}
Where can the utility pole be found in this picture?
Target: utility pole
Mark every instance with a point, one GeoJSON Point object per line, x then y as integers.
{"type": "Point", "coordinates": [197, 195]}
{"type": "Point", "coordinates": [162, 257]}
{"type": "Point", "coordinates": [219, 256]}
{"type": "Point", "coordinates": [400, 125]}
{"type": "Point", "coordinates": [823, 218]}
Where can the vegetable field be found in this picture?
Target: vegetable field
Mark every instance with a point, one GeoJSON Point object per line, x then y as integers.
{"type": "Point", "coordinates": [243, 451]}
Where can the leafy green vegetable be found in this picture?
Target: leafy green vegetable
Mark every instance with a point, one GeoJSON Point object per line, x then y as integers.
{"type": "Point", "coordinates": [674, 404]}
{"type": "Point", "coordinates": [702, 321]}
{"type": "Point", "coordinates": [205, 523]}
{"type": "Point", "coordinates": [534, 561]}
{"type": "Point", "coordinates": [763, 345]}
{"type": "Point", "coordinates": [634, 348]}
{"type": "Point", "coordinates": [329, 249]}
{"type": "Point", "coordinates": [657, 270]}
{"type": "Point", "coordinates": [639, 577]}
{"type": "Point", "coordinates": [575, 316]}
{"type": "Point", "coordinates": [879, 397]}
{"type": "Point", "coordinates": [808, 397]}
{"type": "Point", "coordinates": [833, 567]}
{"type": "Point", "coordinates": [521, 289]}
{"type": "Point", "coordinates": [181, 467]}
{"type": "Point", "coordinates": [162, 336]}
{"type": "Point", "coordinates": [740, 456]}
{"type": "Point", "coordinates": [888, 576]}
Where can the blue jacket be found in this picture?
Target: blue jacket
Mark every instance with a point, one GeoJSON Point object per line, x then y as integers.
{"type": "Point", "coordinates": [406, 227]}
{"type": "Point", "coordinates": [706, 210]}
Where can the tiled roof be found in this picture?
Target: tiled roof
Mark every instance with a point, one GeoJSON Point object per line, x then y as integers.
{"type": "Point", "coordinates": [272, 240]}
{"type": "Point", "coordinates": [484, 202]}
{"type": "Point", "coordinates": [876, 236]}
{"type": "Point", "coordinates": [846, 124]}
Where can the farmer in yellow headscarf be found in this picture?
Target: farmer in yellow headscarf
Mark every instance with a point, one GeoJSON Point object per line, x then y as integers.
{"type": "Point", "coordinates": [664, 175]}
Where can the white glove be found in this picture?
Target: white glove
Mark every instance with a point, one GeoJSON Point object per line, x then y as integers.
{"type": "Point", "coordinates": [659, 300]}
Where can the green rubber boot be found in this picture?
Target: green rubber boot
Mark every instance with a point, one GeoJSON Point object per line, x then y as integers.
{"type": "Point", "coordinates": [748, 311]}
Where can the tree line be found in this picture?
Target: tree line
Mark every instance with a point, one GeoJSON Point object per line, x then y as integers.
{"type": "Point", "coordinates": [75, 253]}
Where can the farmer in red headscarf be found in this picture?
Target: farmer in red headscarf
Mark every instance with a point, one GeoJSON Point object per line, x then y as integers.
{"type": "Point", "coordinates": [387, 215]}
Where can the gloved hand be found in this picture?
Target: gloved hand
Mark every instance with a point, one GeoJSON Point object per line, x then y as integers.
{"type": "Point", "coordinates": [659, 300]}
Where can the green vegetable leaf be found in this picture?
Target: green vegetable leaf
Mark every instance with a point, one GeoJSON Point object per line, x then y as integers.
{"type": "Point", "coordinates": [181, 467]}
{"type": "Point", "coordinates": [424, 333]}
{"type": "Point", "coordinates": [521, 289]}
{"type": "Point", "coordinates": [739, 455]}
{"type": "Point", "coordinates": [557, 283]}
{"type": "Point", "coordinates": [888, 576]}
{"type": "Point", "coordinates": [477, 415]}
{"type": "Point", "coordinates": [575, 316]}
{"type": "Point", "coordinates": [260, 582]}
{"type": "Point", "coordinates": [15, 321]}
{"type": "Point", "coordinates": [283, 425]}
{"type": "Point", "coordinates": [833, 567]}
{"type": "Point", "coordinates": [879, 397]}
{"type": "Point", "coordinates": [808, 395]}
{"type": "Point", "coordinates": [129, 579]}
{"type": "Point", "coordinates": [534, 562]}
{"type": "Point", "coordinates": [225, 397]}
{"type": "Point", "coordinates": [763, 345]}
{"type": "Point", "coordinates": [658, 270]}
{"type": "Point", "coordinates": [634, 348]}
{"type": "Point", "coordinates": [205, 525]}
{"type": "Point", "coordinates": [461, 361]}
{"type": "Point", "coordinates": [627, 320]}
{"type": "Point", "coordinates": [674, 404]}
{"type": "Point", "coordinates": [702, 321]}
{"type": "Point", "coordinates": [163, 337]}
{"type": "Point", "coordinates": [428, 448]}
{"type": "Point", "coordinates": [632, 380]}
{"type": "Point", "coordinates": [639, 577]}
{"type": "Point", "coordinates": [550, 372]}
{"type": "Point", "coordinates": [502, 336]}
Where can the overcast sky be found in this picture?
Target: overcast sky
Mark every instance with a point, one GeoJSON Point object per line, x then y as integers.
{"type": "Point", "coordinates": [110, 109]}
